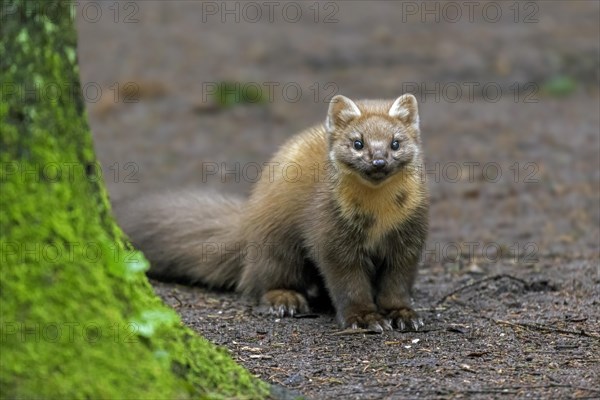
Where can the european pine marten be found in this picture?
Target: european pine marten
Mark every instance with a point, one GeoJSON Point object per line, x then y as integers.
{"type": "Point", "coordinates": [353, 221]}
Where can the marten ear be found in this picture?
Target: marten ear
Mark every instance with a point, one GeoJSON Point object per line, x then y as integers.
{"type": "Point", "coordinates": [405, 108]}
{"type": "Point", "coordinates": [341, 111]}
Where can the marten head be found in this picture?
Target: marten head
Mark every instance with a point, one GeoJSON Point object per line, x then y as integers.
{"type": "Point", "coordinates": [374, 138]}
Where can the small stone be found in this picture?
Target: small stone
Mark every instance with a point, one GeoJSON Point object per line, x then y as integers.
{"type": "Point", "coordinates": [295, 379]}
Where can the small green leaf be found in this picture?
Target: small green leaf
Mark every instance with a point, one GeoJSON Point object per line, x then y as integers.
{"type": "Point", "coordinates": [71, 55]}
{"type": "Point", "coordinates": [137, 263]}
{"type": "Point", "coordinates": [232, 93]}
{"type": "Point", "coordinates": [23, 37]}
{"type": "Point", "coordinates": [560, 86]}
{"type": "Point", "coordinates": [151, 320]}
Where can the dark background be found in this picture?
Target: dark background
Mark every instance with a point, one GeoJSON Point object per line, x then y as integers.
{"type": "Point", "coordinates": [546, 118]}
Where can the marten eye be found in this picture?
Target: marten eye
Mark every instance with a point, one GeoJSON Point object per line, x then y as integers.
{"type": "Point", "coordinates": [395, 145]}
{"type": "Point", "coordinates": [358, 144]}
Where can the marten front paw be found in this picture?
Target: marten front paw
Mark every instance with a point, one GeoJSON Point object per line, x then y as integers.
{"type": "Point", "coordinates": [283, 302]}
{"type": "Point", "coordinates": [405, 319]}
{"type": "Point", "coordinates": [370, 320]}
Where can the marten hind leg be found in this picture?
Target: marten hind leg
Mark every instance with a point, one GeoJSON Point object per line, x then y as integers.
{"type": "Point", "coordinates": [284, 302]}
{"type": "Point", "coordinates": [278, 280]}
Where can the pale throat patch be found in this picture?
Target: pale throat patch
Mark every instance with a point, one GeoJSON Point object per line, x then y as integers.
{"type": "Point", "coordinates": [381, 203]}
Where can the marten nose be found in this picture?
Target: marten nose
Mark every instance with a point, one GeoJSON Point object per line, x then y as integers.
{"type": "Point", "coordinates": [378, 162]}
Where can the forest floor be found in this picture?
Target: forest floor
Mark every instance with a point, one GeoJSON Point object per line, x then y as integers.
{"type": "Point", "coordinates": [528, 332]}
{"type": "Point", "coordinates": [509, 287]}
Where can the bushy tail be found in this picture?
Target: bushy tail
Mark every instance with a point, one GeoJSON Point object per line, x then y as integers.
{"type": "Point", "coordinates": [187, 236]}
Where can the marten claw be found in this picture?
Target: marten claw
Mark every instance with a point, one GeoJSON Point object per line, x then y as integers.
{"type": "Point", "coordinates": [369, 320]}
{"type": "Point", "coordinates": [376, 327]}
{"type": "Point", "coordinates": [417, 323]}
{"type": "Point", "coordinates": [404, 318]}
{"type": "Point", "coordinates": [282, 311]}
{"type": "Point", "coordinates": [387, 325]}
{"type": "Point", "coordinates": [373, 327]}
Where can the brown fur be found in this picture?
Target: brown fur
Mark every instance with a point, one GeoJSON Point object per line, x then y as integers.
{"type": "Point", "coordinates": [324, 219]}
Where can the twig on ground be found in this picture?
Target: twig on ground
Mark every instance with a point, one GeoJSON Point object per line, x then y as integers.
{"type": "Point", "coordinates": [351, 331]}
{"type": "Point", "coordinates": [517, 389]}
{"type": "Point", "coordinates": [542, 328]}
{"type": "Point", "coordinates": [479, 282]}
{"type": "Point", "coordinates": [180, 303]}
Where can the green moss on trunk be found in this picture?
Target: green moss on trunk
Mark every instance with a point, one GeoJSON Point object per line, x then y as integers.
{"type": "Point", "coordinates": [78, 317]}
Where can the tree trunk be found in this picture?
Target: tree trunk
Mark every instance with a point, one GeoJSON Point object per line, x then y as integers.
{"type": "Point", "coordinates": [78, 316]}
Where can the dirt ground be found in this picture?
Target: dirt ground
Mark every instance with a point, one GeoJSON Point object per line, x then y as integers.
{"type": "Point", "coordinates": [509, 287]}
